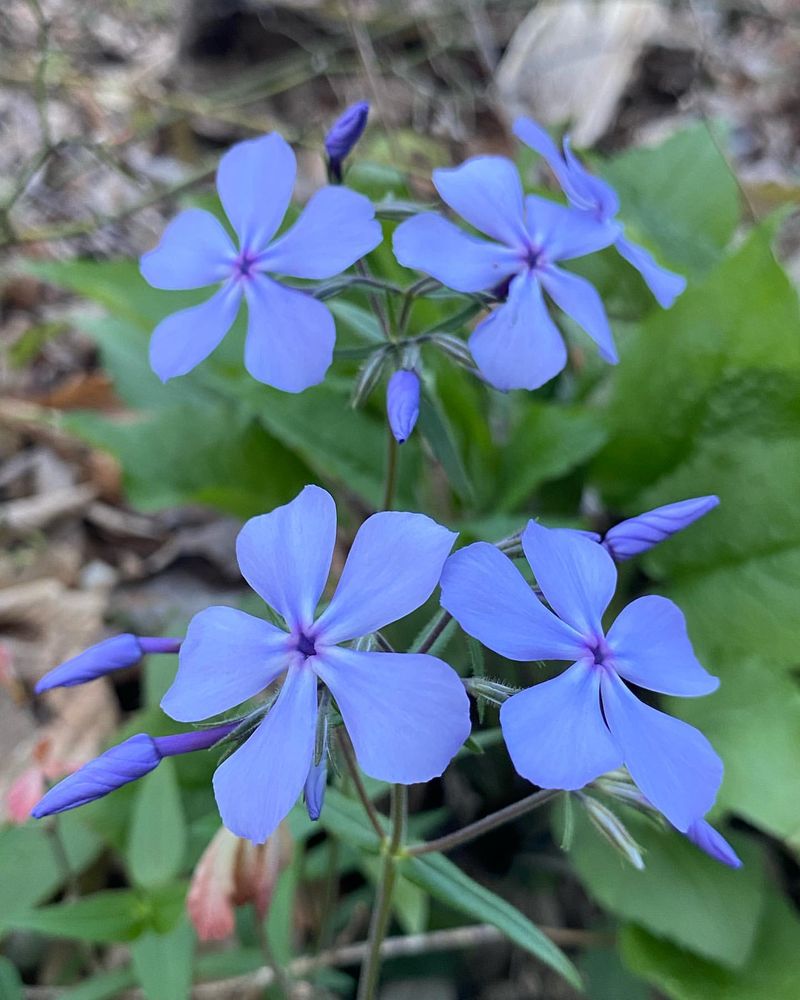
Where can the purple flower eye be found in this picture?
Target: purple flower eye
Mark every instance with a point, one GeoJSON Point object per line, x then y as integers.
{"type": "Point", "coordinates": [290, 334]}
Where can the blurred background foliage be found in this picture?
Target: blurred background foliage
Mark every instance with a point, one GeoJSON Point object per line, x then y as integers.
{"type": "Point", "coordinates": [706, 399]}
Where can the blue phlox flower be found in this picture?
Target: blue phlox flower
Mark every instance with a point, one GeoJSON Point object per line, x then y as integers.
{"type": "Point", "coordinates": [597, 198]}
{"type": "Point", "coordinates": [518, 346]}
{"type": "Point", "coordinates": [402, 403]}
{"type": "Point", "coordinates": [290, 334]}
{"type": "Point", "coordinates": [128, 761]}
{"type": "Point", "coordinates": [406, 714]}
{"type": "Point", "coordinates": [565, 732]}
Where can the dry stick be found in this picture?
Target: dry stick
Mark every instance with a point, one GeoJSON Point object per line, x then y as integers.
{"type": "Point", "coordinates": [457, 938]}
{"type": "Point", "coordinates": [355, 774]}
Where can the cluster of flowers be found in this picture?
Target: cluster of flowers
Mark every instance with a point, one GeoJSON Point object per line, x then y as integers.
{"type": "Point", "coordinates": [407, 714]}
{"type": "Point", "coordinates": [291, 334]}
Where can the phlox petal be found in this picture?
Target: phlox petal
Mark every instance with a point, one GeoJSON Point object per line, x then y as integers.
{"type": "Point", "coordinates": [286, 555]}
{"type": "Point", "coordinates": [184, 339]}
{"type": "Point", "coordinates": [432, 244]}
{"type": "Point", "coordinates": [587, 190]}
{"type": "Point", "coordinates": [672, 763]}
{"type": "Point", "coordinates": [489, 598]}
{"type": "Point", "coordinates": [518, 346]}
{"type": "Point", "coordinates": [194, 250]}
{"type": "Point", "coordinates": [555, 732]}
{"type": "Point", "coordinates": [562, 233]}
{"type": "Point", "coordinates": [665, 285]}
{"type": "Point", "coordinates": [393, 566]}
{"type": "Point", "coordinates": [335, 229]}
{"type": "Point", "coordinates": [258, 784]}
{"type": "Point", "coordinates": [227, 657]}
{"type": "Point", "coordinates": [406, 713]}
{"type": "Point", "coordinates": [577, 576]}
{"type": "Point", "coordinates": [703, 835]}
{"type": "Point", "coordinates": [255, 181]}
{"type": "Point", "coordinates": [290, 336]}
{"type": "Point", "coordinates": [487, 192]}
{"type": "Point", "coordinates": [651, 648]}
{"type": "Point", "coordinates": [579, 299]}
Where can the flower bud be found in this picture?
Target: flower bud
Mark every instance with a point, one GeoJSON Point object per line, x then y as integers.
{"type": "Point", "coordinates": [638, 534]}
{"type": "Point", "coordinates": [23, 794]}
{"type": "Point", "coordinates": [315, 789]}
{"type": "Point", "coordinates": [402, 403]}
{"type": "Point", "coordinates": [704, 836]}
{"type": "Point", "coordinates": [343, 135]}
{"type": "Point", "coordinates": [233, 872]}
{"type": "Point", "coordinates": [126, 762]}
{"type": "Point", "coordinates": [117, 653]}
{"type": "Point", "coordinates": [614, 831]}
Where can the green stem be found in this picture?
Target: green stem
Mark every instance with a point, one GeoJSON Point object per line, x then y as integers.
{"type": "Point", "coordinates": [355, 774]}
{"type": "Point", "coordinates": [490, 822]}
{"type": "Point", "coordinates": [438, 625]}
{"type": "Point", "coordinates": [391, 471]}
{"type": "Point", "coordinates": [381, 913]}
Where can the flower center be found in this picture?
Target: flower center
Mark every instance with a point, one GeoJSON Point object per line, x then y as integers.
{"type": "Point", "coordinates": [306, 645]}
{"type": "Point", "coordinates": [535, 258]}
{"type": "Point", "coordinates": [244, 264]}
{"type": "Point", "coordinates": [601, 651]}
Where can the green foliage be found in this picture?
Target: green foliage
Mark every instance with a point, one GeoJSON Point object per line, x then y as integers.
{"type": "Point", "coordinates": [682, 894]}
{"type": "Point", "coordinates": [447, 883]}
{"type": "Point", "coordinates": [163, 962]}
{"type": "Point", "coordinates": [158, 829]}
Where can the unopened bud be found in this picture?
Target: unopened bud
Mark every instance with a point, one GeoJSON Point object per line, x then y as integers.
{"type": "Point", "coordinates": [343, 135]}
{"type": "Point", "coordinates": [402, 403]}
{"type": "Point", "coordinates": [614, 831]}
{"type": "Point", "coordinates": [638, 534]}
{"type": "Point", "coordinates": [116, 653]}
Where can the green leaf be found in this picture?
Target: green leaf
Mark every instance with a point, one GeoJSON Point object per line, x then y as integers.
{"type": "Point", "coordinates": [771, 973]}
{"type": "Point", "coordinates": [10, 982]}
{"type": "Point", "coordinates": [30, 870]}
{"type": "Point", "coordinates": [682, 365]}
{"type": "Point", "coordinates": [210, 454]}
{"type": "Point", "coordinates": [435, 428]}
{"type": "Point", "coordinates": [442, 879]}
{"type": "Point", "coordinates": [103, 986]}
{"type": "Point", "coordinates": [163, 962]}
{"type": "Point", "coordinates": [547, 442]}
{"type": "Point", "coordinates": [681, 894]}
{"type": "Point", "coordinates": [104, 917]}
{"type": "Point", "coordinates": [158, 831]}
{"type": "Point", "coordinates": [410, 903]}
{"type": "Point", "coordinates": [753, 720]}
{"type": "Point", "coordinates": [681, 196]}
{"type": "Point", "coordinates": [345, 818]}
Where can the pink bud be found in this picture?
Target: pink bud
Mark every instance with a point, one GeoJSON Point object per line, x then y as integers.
{"type": "Point", "coordinates": [233, 872]}
{"type": "Point", "coordinates": [24, 793]}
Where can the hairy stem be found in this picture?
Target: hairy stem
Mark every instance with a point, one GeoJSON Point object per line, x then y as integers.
{"type": "Point", "coordinates": [391, 471]}
{"type": "Point", "coordinates": [490, 822]}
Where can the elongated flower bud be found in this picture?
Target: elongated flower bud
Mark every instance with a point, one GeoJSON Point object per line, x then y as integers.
{"type": "Point", "coordinates": [704, 836]}
{"type": "Point", "coordinates": [117, 653]}
{"type": "Point", "coordinates": [638, 534]}
{"type": "Point", "coordinates": [315, 789]}
{"type": "Point", "coordinates": [614, 831]}
{"type": "Point", "coordinates": [343, 135]}
{"type": "Point", "coordinates": [402, 403]}
{"type": "Point", "coordinates": [126, 762]}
